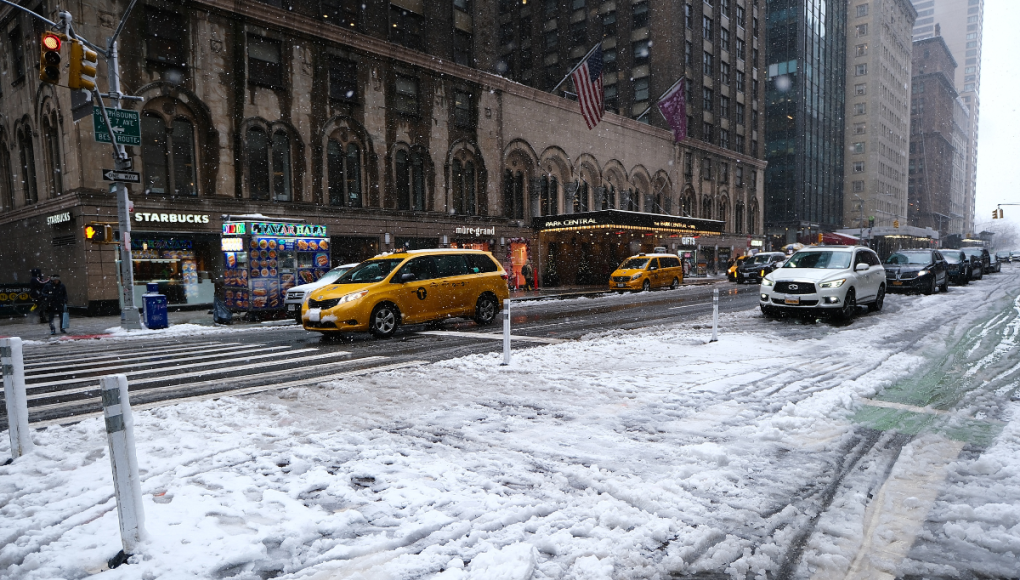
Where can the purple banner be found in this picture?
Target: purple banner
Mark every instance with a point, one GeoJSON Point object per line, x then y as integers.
{"type": "Point", "coordinates": [673, 107]}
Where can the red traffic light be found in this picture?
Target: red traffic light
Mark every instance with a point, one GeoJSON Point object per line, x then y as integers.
{"type": "Point", "coordinates": [51, 41]}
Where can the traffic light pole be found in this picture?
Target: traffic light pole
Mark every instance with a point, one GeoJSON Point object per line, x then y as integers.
{"type": "Point", "coordinates": [129, 317]}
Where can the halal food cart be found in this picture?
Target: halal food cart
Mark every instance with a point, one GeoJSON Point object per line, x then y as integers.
{"type": "Point", "coordinates": [264, 258]}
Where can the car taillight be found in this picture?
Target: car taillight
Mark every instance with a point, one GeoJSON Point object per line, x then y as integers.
{"type": "Point", "coordinates": [505, 276]}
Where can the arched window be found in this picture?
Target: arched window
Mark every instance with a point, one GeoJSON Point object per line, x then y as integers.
{"type": "Point", "coordinates": [724, 215]}
{"type": "Point", "coordinates": [752, 219]}
{"type": "Point", "coordinates": [687, 204]}
{"type": "Point", "coordinates": [258, 164]}
{"type": "Point", "coordinates": [706, 208]}
{"type": "Point", "coordinates": [6, 177]}
{"type": "Point", "coordinates": [659, 203]}
{"type": "Point", "coordinates": [51, 151]}
{"type": "Point", "coordinates": [168, 155]}
{"type": "Point", "coordinates": [29, 185]}
{"type": "Point", "coordinates": [633, 195]}
{"type": "Point", "coordinates": [270, 173]}
{"type": "Point", "coordinates": [344, 174]}
{"type": "Point", "coordinates": [281, 167]}
{"type": "Point", "coordinates": [513, 194]}
{"type": "Point", "coordinates": [464, 199]}
{"type": "Point", "coordinates": [581, 197]}
{"type": "Point", "coordinates": [738, 218]}
{"type": "Point", "coordinates": [549, 196]}
{"type": "Point", "coordinates": [607, 199]}
{"type": "Point", "coordinates": [410, 178]}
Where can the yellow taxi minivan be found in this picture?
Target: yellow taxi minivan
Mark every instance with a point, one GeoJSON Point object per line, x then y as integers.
{"type": "Point", "coordinates": [647, 271]}
{"type": "Point", "coordinates": [411, 287]}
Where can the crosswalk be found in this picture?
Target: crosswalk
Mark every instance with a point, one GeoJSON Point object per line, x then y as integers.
{"type": "Point", "coordinates": [63, 381]}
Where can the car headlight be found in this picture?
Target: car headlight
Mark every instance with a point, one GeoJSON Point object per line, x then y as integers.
{"type": "Point", "coordinates": [351, 297]}
{"type": "Point", "coordinates": [832, 283]}
{"type": "Point", "coordinates": [922, 273]}
{"type": "Point", "coordinates": [767, 282]}
{"type": "Point", "coordinates": [636, 276]}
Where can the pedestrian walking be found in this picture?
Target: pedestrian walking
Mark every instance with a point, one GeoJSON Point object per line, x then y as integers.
{"type": "Point", "coordinates": [35, 287]}
{"type": "Point", "coordinates": [528, 272]}
{"type": "Point", "coordinates": [54, 295]}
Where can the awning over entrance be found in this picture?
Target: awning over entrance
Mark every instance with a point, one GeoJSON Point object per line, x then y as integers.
{"type": "Point", "coordinates": [614, 219]}
{"type": "Point", "coordinates": [838, 239]}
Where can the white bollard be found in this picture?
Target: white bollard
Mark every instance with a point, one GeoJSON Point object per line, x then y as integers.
{"type": "Point", "coordinates": [715, 315]}
{"type": "Point", "coordinates": [13, 361]}
{"type": "Point", "coordinates": [506, 332]}
{"type": "Point", "coordinates": [120, 433]}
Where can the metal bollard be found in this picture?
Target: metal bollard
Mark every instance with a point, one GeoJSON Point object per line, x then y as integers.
{"type": "Point", "coordinates": [506, 332]}
{"type": "Point", "coordinates": [13, 361]}
{"type": "Point", "coordinates": [120, 433]}
{"type": "Point", "coordinates": [715, 315]}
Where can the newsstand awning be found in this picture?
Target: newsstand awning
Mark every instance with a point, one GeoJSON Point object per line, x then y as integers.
{"type": "Point", "coordinates": [615, 219]}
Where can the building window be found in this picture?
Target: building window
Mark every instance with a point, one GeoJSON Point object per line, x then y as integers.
{"type": "Point", "coordinates": [724, 72]}
{"type": "Point", "coordinates": [740, 114]}
{"type": "Point", "coordinates": [862, 10]}
{"type": "Point", "coordinates": [552, 39]}
{"type": "Point", "coordinates": [551, 6]}
{"type": "Point", "coordinates": [6, 176]}
{"type": "Point", "coordinates": [346, 13]}
{"type": "Point", "coordinates": [29, 184]}
{"type": "Point", "coordinates": [754, 87]}
{"type": "Point", "coordinates": [281, 167]}
{"type": "Point", "coordinates": [343, 80]}
{"type": "Point", "coordinates": [462, 48]}
{"type": "Point", "coordinates": [513, 194]}
{"type": "Point", "coordinates": [168, 155]}
{"type": "Point", "coordinates": [462, 116]}
{"type": "Point", "coordinates": [525, 28]}
{"type": "Point", "coordinates": [738, 176]}
{"type": "Point", "coordinates": [857, 148]}
{"type": "Point", "coordinates": [740, 80]}
{"type": "Point", "coordinates": [706, 98]}
{"type": "Point", "coordinates": [706, 132]}
{"type": "Point", "coordinates": [740, 143]}
{"type": "Point", "coordinates": [462, 5]}
{"type": "Point", "coordinates": [343, 165]}
{"type": "Point", "coordinates": [505, 6]}
{"type": "Point", "coordinates": [465, 201]}
{"type": "Point", "coordinates": [754, 26]}
{"type": "Point", "coordinates": [609, 60]}
{"type": "Point", "coordinates": [741, 16]}
{"type": "Point", "coordinates": [706, 208]}
{"type": "Point", "coordinates": [706, 27]}
{"type": "Point", "coordinates": [641, 90]}
{"type": "Point", "coordinates": [861, 50]}
{"type": "Point", "coordinates": [689, 165]}
{"type": "Point", "coordinates": [17, 54]}
{"type": "Point", "coordinates": [724, 107]}
{"type": "Point", "coordinates": [265, 66]}
{"type": "Point", "coordinates": [269, 169]}
{"type": "Point", "coordinates": [860, 108]}
{"type": "Point", "coordinates": [738, 218]}
{"type": "Point", "coordinates": [861, 89]}
{"type": "Point", "coordinates": [549, 195]}
{"type": "Point", "coordinates": [410, 178]}
{"type": "Point", "coordinates": [688, 16]}
{"type": "Point", "coordinates": [858, 186]}
{"type": "Point", "coordinates": [407, 28]}
{"type": "Point", "coordinates": [689, 54]}
{"type": "Point", "coordinates": [724, 172]}
{"type": "Point", "coordinates": [166, 39]}
{"type": "Point", "coordinates": [642, 51]}
{"type": "Point", "coordinates": [706, 167]}
{"type": "Point", "coordinates": [858, 167]}
{"type": "Point", "coordinates": [706, 63]}
{"type": "Point", "coordinates": [405, 95]}
{"type": "Point", "coordinates": [51, 152]}
{"type": "Point", "coordinates": [861, 69]}
{"type": "Point", "coordinates": [741, 45]}
{"type": "Point", "coordinates": [506, 31]}
{"type": "Point", "coordinates": [860, 128]}
{"type": "Point", "coordinates": [611, 97]}
{"type": "Point", "coordinates": [724, 138]}
{"type": "Point", "coordinates": [639, 15]}
{"type": "Point", "coordinates": [724, 37]}
{"type": "Point", "coordinates": [609, 23]}
{"type": "Point", "coordinates": [861, 30]}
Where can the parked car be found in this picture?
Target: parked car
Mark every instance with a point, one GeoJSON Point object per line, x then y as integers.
{"type": "Point", "coordinates": [959, 266]}
{"type": "Point", "coordinates": [646, 271]}
{"type": "Point", "coordinates": [833, 280]}
{"type": "Point", "coordinates": [731, 272]}
{"type": "Point", "coordinates": [753, 270]}
{"type": "Point", "coordinates": [1014, 256]}
{"type": "Point", "coordinates": [1003, 256]}
{"type": "Point", "coordinates": [917, 270]}
{"type": "Point", "coordinates": [296, 295]}
{"type": "Point", "coordinates": [412, 287]}
{"type": "Point", "coordinates": [979, 255]}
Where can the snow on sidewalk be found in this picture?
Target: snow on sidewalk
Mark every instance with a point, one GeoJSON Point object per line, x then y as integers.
{"type": "Point", "coordinates": [623, 455]}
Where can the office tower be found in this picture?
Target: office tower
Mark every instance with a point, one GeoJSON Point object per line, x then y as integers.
{"type": "Point", "coordinates": [960, 24]}
{"type": "Point", "coordinates": [804, 108]}
{"type": "Point", "coordinates": [877, 111]}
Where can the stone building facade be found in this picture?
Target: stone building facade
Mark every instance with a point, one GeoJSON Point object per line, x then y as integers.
{"type": "Point", "coordinates": [335, 112]}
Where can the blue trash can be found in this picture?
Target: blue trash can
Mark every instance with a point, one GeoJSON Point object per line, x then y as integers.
{"type": "Point", "coordinates": [154, 307]}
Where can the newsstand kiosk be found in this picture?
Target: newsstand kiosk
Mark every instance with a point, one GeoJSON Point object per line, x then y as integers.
{"type": "Point", "coordinates": [264, 257]}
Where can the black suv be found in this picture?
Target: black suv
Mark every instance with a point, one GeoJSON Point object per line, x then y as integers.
{"type": "Point", "coordinates": [752, 270]}
{"type": "Point", "coordinates": [959, 266]}
{"type": "Point", "coordinates": [980, 256]}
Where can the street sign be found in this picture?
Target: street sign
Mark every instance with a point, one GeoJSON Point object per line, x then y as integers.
{"type": "Point", "coordinates": [127, 126]}
{"type": "Point", "coordinates": [122, 176]}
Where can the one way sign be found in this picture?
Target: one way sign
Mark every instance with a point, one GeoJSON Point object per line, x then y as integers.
{"type": "Point", "coordinates": [122, 176]}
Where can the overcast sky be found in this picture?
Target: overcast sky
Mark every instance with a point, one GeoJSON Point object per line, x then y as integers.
{"type": "Point", "coordinates": [998, 178]}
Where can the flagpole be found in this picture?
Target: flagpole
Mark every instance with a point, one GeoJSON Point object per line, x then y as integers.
{"type": "Point", "coordinates": [671, 87]}
{"type": "Point", "coordinates": [577, 66]}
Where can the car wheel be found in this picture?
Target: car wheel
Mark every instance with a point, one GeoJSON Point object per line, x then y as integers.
{"type": "Point", "coordinates": [849, 308]}
{"type": "Point", "coordinates": [675, 284]}
{"type": "Point", "coordinates": [930, 289]}
{"type": "Point", "coordinates": [980, 273]}
{"type": "Point", "coordinates": [486, 309]}
{"type": "Point", "coordinates": [945, 285]}
{"type": "Point", "coordinates": [384, 320]}
{"type": "Point", "coordinates": [876, 306]}
{"type": "Point", "coordinates": [646, 286]}
{"type": "Point", "coordinates": [966, 279]}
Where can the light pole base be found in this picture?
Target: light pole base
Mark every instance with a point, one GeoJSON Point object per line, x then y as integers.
{"type": "Point", "coordinates": [130, 319]}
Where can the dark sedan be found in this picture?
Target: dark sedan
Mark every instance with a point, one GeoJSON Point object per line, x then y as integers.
{"type": "Point", "coordinates": [754, 269]}
{"type": "Point", "coordinates": [917, 270]}
{"type": "Point", "coordinates": [980, 256]}
{"type": "Point", "coordinates": [959, 266]}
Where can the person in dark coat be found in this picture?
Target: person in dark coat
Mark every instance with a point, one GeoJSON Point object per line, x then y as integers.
{"type": "Point", "coordinates": [54, 295]}
{"type": "Point", "coordinates": [35, 286]}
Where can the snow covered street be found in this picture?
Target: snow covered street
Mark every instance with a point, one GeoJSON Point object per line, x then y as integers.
{"type": "Point", "coordinates": [886, 448]}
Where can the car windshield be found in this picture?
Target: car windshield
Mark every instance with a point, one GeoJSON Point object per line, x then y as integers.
{"type": "Point", "coordinates": [909, 258]}
{"type": "Point", "coordinates": [972, 251]}
{"type": "Point", "coordinates": [333, 275]}
{"type": "Point", "coordinates": [634, 264]}
{"type": "Point", "coordinates": [952, 257]}
{"type": "Point", "coordinates": [822, 260]}
{"type": "Point", "coordinates": [370, 271]}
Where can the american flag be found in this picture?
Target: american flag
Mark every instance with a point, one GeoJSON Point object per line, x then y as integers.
{"type": "Point", "coordinates": [587, 79]}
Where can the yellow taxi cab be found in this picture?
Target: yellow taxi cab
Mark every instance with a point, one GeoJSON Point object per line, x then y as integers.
{"type": "Point", "coordinates": [731, 273]}
{"type": "Point", "coordinates": [647, 271]}
{"type": "Point", "coordinates": [411, 287]}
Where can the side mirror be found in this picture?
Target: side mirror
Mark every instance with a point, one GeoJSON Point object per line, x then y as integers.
{"type": "Point", "coordinates": [407, 277]}
{"type": "Point", "coordinates": [653, 268]}
{"type": "Point", "coordinates": [862, 267]}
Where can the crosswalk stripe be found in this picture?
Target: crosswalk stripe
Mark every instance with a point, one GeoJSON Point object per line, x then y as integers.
{"type": "Point", "coordinates": [255, 348]}
{"type": "Point", "coordinates": [239, 392]}
{"type": "Point", "coordinates": [177, 367]}
{"type": "Point", "coordinates": [134, 385]}
{"type": "Point", "coordinates": [83, 365]}
{"type": "Point", "coordinates": [45, 360]}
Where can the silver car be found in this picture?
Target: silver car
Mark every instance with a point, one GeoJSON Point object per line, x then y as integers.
{"type": "Point", "coordinates": [296, 295]}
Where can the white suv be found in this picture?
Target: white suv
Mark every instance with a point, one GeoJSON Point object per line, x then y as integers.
{"type": "Point", "coordinates": [830, 279]}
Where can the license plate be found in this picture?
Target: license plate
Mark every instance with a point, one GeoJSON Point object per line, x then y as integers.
{"type": "Point", "coordinates": [620, 285]}
{"type": "Point", "coordinates": [292, 307]}
{"type": "Point", "coordinates": [790, 300]}
{"type": "Point", "coordinates": [747, 275]}
{"type": "Point", "coordinates": [314, 314]}
{"type": "Point", "coordinates": [897, 283]}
